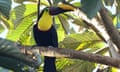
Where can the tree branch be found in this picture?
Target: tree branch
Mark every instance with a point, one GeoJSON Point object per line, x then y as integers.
{"type": "Point", "coordinates": [49, 1]}
{"type": "Point", "coordinates": [111, 30]}
{"type": "Point", "coordinates": [112, 50]}
{"type": "Point", "coordinates": [69, 53]}
{"type": "Point", "coordinates": [96, 30]}
{"type": "Point", "coordinates": [9, 48]}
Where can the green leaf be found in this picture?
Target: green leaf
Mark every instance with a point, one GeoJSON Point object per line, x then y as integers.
{"type": "Point", "coordinates": [109, 2]}
{"type": "Point", "coordinates": [115, 69]}
{"type": "Point", "coordinates": [5, 6]}
{"type": "Point", "coordinates": [17, 14]}
{"type": "Point", "coordinates": [9, 50]}
{"type": "Point", "coordinates": [21, 1]}
{"type": "Point", "coordinates": [25, 23]}
{"type": "Point", "coordinates": [27, 38]}
{"type": "Point", "coordinates": [24, 20]}
{"type": "Point", "coordinates": [70, 42]}
{"type": "Point", "coordinates": [1, 28]}
{"type": "Point", "coordinates": [60, 31]}
{"type": "Point", "coordinates": [44, 2]}
{"type": "Point", "coordinates": [21, 11]}
{"type": "Point", "coordinates": [77, 4]}
{"type": "Point", "coordinates": [80, 23]}
{"type": "Point", "coordinates": [91, 7]}
{"type": "Point", "coordinates": [61, 63]}
{"type": "Point", "coordinates": [11, 64]}
{"type": "Point", "coordinates": [79, 66]}
{"type": "Point", "coordinates": [83, 40]}
{"type": "Point", "coordinates": [57, 1]}
{"type": "Point", "coordinates": [64, 23]}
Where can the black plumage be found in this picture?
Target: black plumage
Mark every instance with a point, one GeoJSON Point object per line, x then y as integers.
{"type": "Point", "coordinates": [47, 38]}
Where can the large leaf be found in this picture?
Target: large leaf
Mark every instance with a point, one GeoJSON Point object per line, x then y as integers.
{"type": "Point", "coordinates": [63, 62]}
{"type": "Point", "coordinates": [83, 40]}
{"type": "Point", "coordinates": [64, 23]}
{"type": "Point", "coordinates": [11, 64]}
{"type": "Point", "coordinates": [5, 6]}
{"type": "Point", "coordinates": [79, 66]}
{"type": "Point", "coordinates": [17, 14]}
{"type": "Point", "coordinates": [80, 23]}
{"type": "Point", "coordinates": [60, 30]}
{"type": "Point", "coordinates": [27, 38]}
{"type": "Point", "coordinates": [23, 22]}
{"type": "Point", "coordinates": [10, 55]}
{"type": "Point", "coordinates": [88, 42]}
{"type": "Point", "coordinates": [91, 7]}
{"type": "Point", "coordinates": [23, 26]}
{"type": "Point", "coordinates": [21, 11]}
{"type": "Point", "coordinates": [10, 49]}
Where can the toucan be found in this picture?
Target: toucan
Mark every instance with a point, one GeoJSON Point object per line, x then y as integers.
{"type": "Point", "coordinates": [45, 33]}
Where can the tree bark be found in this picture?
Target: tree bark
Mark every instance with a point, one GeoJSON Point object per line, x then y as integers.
{"type": "Point", "coordinates": [111, 30]}
{"type": "Point", "coordinates": [69, 53]}
{"type": "Point", "coordinates": [7, 47]}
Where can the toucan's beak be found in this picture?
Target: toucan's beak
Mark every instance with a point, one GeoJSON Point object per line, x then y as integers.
{"type": "Point", "coordinates": [60, 9]}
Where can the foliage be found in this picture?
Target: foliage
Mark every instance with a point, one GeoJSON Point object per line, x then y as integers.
{"type": "Point", "coordinates": [11, 57]}
{"type": "Point", "coordinates": [87, 7]}
{"type": "Point", "coordinates": [73, 32]}
{"type": "Point", "coordinates": [5, 6]}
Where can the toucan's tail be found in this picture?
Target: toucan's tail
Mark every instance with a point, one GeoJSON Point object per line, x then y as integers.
{"type": "Point", "coordinates": [49, 64]}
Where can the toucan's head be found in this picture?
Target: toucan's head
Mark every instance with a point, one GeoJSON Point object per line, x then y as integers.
{"type": "Point", "coordinates": [61, 8]}
{"type": "Point", "coordinates": [45, 18]}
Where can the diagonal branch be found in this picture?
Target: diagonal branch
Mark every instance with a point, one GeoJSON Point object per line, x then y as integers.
{"type": "Point", "coordinates": [111, 30]}
{"type": "Point", "coordinates": [99, 27]}
{"type": "Point", "coordinates": [50, 2]}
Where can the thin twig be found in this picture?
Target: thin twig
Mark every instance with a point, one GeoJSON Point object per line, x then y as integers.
{"type": "Point", "coordinates": [50, 2]}
{"type": "Point", "coordinates": [38, 10]}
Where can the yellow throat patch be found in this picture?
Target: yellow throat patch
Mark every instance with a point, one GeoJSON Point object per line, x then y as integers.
{"type": "Point", "coordinates": [45, 22]}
